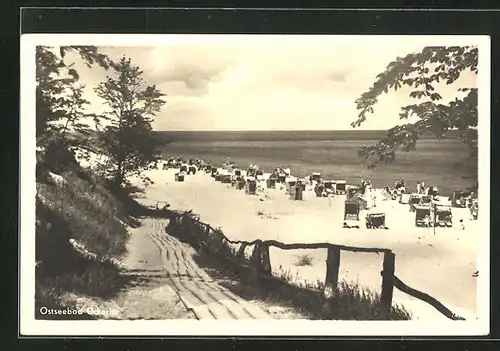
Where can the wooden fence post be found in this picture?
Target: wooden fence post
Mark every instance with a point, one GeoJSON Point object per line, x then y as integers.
{"type": "Point", "coordinates": [218, 243]}
{"type": "Point", "coordinates": [387, 283]}
{"type": "Point", "coordinates": [187, 226]}
{"type": "Point", "coordinates": [240, 255]}
{"type": "Point", "coordinates": [265, 259]}
{"type": "Point", "coordinates": [256, 266]}
{"type": "Point", "coordinates": [257, 257]}
{"type": "Point", "coordinates": [332, 268]}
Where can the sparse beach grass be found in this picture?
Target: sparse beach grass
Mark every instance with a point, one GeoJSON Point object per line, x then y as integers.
{"type": "Point", "coordinates": [304, 260]}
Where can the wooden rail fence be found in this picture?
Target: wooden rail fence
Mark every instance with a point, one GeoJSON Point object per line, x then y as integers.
{"type": "Point", "coordinates": [202, 234]}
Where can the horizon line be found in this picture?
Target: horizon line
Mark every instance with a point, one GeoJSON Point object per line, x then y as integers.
{"type": "Point", "coordinates": [273, 130]}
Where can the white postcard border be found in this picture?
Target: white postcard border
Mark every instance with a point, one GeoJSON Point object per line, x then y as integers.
{"type": "Point", "coordinates": [30, 326]}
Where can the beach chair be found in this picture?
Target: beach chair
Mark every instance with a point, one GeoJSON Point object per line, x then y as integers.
{"type": "Point", "coordinates": [302, 184]}
{"type": "Point", "coordinates": [404, 198]}
{"type": "Point", "coordinates": [179, 177]}
{"type": "Point", "coordinates": [290, 184]}
{"type": "Point", "coordinates": [375, 221]}
{"type": "Point", "coordinates": [296, 192]}
{"type": "Point", "coordinates": [423, 216]}
{"type": "Point", "coordinates": [316, 177]}
{"type": "Point", "coordinates": [458, 198]}
{"type": "Point", "coordinates": [414, 200]}
{"type": "Point", "coordinates": [351, 211]}
{"type": "Point", "coordinates": [225, 178]}
{"type": "Point", "coordinates": [351, 214]}
{"type": "Point", "coordinates": [240, 184]}
{"type": "Point", "coordinates": [250, 187]}
{"type": "Point", "coordinates": [329, 184]}
{"type": "Point", "coordinates": [340, 187]}
{"type": "Point", "coordinates": [444, 217]}
{"type": "Point", "coordinates": [271, 183]}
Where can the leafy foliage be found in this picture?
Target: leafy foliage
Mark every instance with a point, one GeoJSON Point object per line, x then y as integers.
{"type": "Point", "coordinates": [60, 104]}
{"type": "Point", "coordinates": [59, 94]}
{"type": "Point", "coordinates": [128, 140]}
{"type": "Point", "coordinates": [421, 72]}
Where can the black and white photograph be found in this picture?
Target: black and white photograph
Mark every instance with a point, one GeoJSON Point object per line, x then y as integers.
{"type": "Point", "coordinates": [254, 184]}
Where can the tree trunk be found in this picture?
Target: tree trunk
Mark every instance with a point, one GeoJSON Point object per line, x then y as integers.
{"type": "Point", "coordinates": [119, 173]}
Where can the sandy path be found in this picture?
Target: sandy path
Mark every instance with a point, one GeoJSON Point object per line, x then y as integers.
{"type": "Point", "coordinates": [199, 292]}
{"type": "Point", "coordinates": [440, 265]}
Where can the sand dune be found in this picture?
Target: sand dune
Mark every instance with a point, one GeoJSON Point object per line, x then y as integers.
{"type": "Point", "coordinates": [440, 265]}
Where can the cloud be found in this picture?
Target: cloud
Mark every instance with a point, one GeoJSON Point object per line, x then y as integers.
{"type": "Point", "coordinates": [276, 84]}
{"type": "Point", "coordinates": [337, 76]}
{"type": "Point", "coordinates": [195, 79]}
{"type": "Point", "coordinates": [194, 67]}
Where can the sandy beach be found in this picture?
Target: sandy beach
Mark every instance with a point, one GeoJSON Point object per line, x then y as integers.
{"type": "Point", "coordinates": [440, 265]}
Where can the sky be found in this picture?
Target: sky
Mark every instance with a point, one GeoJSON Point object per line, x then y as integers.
{"type": "Point", "coordinates": [279, 84]}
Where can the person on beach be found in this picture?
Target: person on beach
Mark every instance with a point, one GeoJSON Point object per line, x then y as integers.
{"type": "Point", "coordinates": [462, 225]}
{"type": "Point", "coordinates": [427, 221]}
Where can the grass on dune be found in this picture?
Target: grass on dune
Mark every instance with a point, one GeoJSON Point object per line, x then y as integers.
{"type": "Point", "coordinates": [91, 212]}
{"type": "Point", "coordinates": [349, 301]}
{"type": "Point", "coordinates": [79, 208]}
